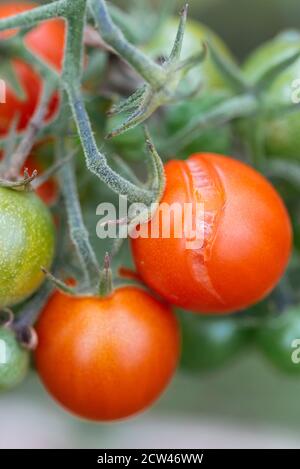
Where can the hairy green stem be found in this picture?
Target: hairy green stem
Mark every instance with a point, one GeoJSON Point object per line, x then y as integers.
{"type": "Point", "coordinates": [239, 106]}
{"type": "Point", "coordinates": [78, 232]}
{"type": "Point", "coordinates": [30, 312]}
{"type": "Point", "coordinates": [96, 161]}
{"type": "Point", "coordinates": [106, 283]}
{"type": "Point", "coordinates": [31, 17]}
{"type": "Point", "coordinates": [19, 156]}
{"type": "Point", "coordinates": [73, 59]}
{"type": "Point", "coordinates": [147, 68]}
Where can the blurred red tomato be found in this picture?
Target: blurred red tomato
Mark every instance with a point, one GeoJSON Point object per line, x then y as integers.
{"type": "Point", "coordinates": [47, 42]}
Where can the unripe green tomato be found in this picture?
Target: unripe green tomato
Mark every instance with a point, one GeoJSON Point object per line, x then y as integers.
{"type": "Point", "coordinates": [179, 115]}
{"type": "Point", "coordinates": [280, 134]}
{"type": "Point", "coordinates": [26, 244]}
{"type": "Point", "coordinates": [195, 34]}
{"type": "Point", "coordinates": [279, 339]}
{"type": "Point", "coordinates": [14, 360]}
{"type": "Point", "coordinates": [206, 74]}
{"type": "Point", "coordinates": [208, 343]}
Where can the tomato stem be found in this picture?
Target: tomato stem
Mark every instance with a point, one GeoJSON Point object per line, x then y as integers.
{"type": "Point", "coordinates": [78, 232]}
{"type": "Point", "coordinates": [30, 312]}
{"type": "Point", "coordinates": [34, 16]}
{"type": "Point", "coordinates": [62, 286]}
{"type": "Point", "coordinates": [6, 317]}
{"type": "Point", "coordinates": [161, 83]}
{"type": "Point", "coordinates": [147, 68]}
{"type": "Point", "coordinates": [96, 161]}
{"type": "Point", "coordinates": [106, 283]}
{"type": "Point", "coordinates": [230, 71]}
{"type": "Point", "coordinates": [16, 160]}
{"type": "Point", "coordinates": [20, 184]}
{"type": "Point", "coordinates": [227, 110]}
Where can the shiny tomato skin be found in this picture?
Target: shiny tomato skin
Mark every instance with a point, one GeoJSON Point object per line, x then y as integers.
{"type": "Point", "coordinates": [47, 42]}
{"type": "Point", "coordinates": [27, 243]}
{"type": "Point", "coordinates": [209, 342]}
{"type": "Point", "coordinates": [247, 239]}
{"type": "Point", "coordinates": [15, 366]}
{"type": "Point", "coordinates": [280, 133]}
{"type": "Point", "coordinates": [106, 358]}
{"type": "Point", "coordinates": [278, 339]}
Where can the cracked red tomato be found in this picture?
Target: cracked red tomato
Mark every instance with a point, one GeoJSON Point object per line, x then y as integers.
{"type": "Point", "coordinates": [246, 237]}
{"type": "Point", "coordinates": [47, 42]}
{"type": "Point", "coordinates": [107, 358]}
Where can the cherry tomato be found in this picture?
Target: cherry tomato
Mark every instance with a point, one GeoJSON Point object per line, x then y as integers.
{"type": "Point", "coordinates": [27, 244]}
{"type": "Point", "coordinates": [279, 339]}
{"type": "Point", "coordinates": [106, 358]}
{"type": "Point", "coordinates": [47, 42]}
{"type": "Point", "coordinates": [281, 133]}
{"type": "Point", "coordinates": [246, 243]}
{"type": "Point", "coordinates": [177, 116]}
{"type": "Point", "coordinates": [14, 360]}
{"type": "Point", "coordinates": [208, 343]}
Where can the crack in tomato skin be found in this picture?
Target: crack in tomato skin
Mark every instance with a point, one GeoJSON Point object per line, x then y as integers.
{"type": "Point", "coordinates": [246, 226]}
{"type": "Point", "coordinates": [206, 187]}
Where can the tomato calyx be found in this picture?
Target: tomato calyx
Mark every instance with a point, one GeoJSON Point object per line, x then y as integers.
{"type": "Point", "coordinates": [162, 88]}
{"type": "Point", "coordinates": [106, 282]}
{"type": "Point", "coordinates": [21, 184]}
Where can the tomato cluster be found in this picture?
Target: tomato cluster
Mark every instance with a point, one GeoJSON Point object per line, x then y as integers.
{"type": "Point", "coordinates": [108, 357]}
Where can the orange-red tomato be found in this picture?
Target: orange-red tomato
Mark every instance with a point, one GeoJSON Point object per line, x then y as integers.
{"type": "Point", "coordinates": [247, 237]}
{"type": "Point", "coordinates": [106, 358]}
{"type": "Point", "coordinates": [47, 42]}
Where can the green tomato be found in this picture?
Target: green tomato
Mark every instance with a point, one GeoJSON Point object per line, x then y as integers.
{"type": "Point", "coordinates": [195, 34]}
{"type": "Point", "coordinates": [26, 244]}
{"type": "Point", "coordinates": [213, 90]}
{"type": "Point", "coordinates": [214, 140]}
{"type": "Point", "coordinates": [208, 343]}
{"type": "Point", "coordinates": [280, 134]}
{"type": "Point", "coordinates": [14, 360]}
{"type": "Point", "coordinates": [279, 339]}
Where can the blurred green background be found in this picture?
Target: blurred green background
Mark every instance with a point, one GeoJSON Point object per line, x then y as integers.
{"type": "Point", "coordinates": [246, 404]}
{"type": "Point", "coordinates": [244, 24]}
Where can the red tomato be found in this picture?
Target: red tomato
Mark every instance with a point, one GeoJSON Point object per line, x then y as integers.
{"type": "Point", "coordinates": [247, 237]}
{"type": "Point", "coordinates": [107, 358]}
{"type": "Point", "coordinates": [47, 42]}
